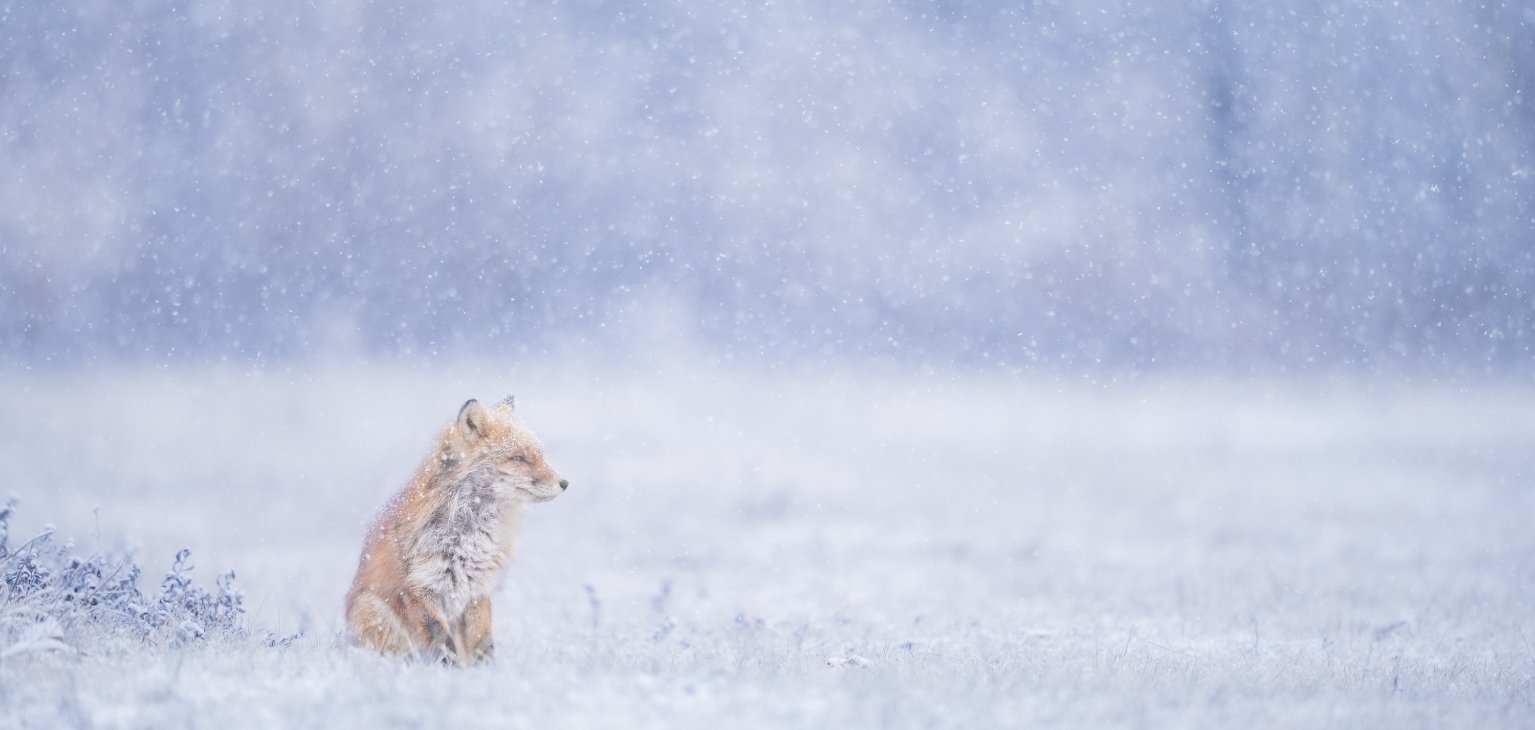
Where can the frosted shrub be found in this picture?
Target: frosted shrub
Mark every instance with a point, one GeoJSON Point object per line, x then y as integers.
{"type": "Point", "coordinates": [52, 599]}
{"type": "Point", "coordinates": [181, 601]}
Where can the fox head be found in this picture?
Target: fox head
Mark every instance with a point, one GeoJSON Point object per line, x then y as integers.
{"type": "Point", "coordinates": [494, 446]}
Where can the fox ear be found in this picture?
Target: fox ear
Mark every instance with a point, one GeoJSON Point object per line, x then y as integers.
{"type": "Point", "coordinates": [471, 417]}
{"type": "Point", "coordinates": [509, 403]}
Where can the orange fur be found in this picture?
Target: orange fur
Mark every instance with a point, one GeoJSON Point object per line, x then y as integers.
{"type": "Point", "coordinates": [433, 556]}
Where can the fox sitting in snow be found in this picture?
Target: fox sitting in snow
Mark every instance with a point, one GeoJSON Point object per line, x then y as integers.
{"type": "Point", "coordinates": [433, 556]}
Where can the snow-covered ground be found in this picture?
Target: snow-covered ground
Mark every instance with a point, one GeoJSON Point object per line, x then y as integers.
{"type": "Point", "coordinates": [836, 549]}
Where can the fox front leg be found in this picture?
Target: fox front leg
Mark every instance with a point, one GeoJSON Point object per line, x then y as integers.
{"type": "Point", "coordinates": [475, 629]}
{"type": "Point", "coordinates": [437, 641]}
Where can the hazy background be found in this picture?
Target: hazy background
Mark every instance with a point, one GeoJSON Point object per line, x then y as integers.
{"type": "Point", "coordinates": [928, 365]}
{"type": "Point", "coordinates": [1233, 187]}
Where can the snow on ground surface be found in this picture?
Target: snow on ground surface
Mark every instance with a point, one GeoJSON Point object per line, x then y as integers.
{"type": "Point", "coordinates": [829, 550]}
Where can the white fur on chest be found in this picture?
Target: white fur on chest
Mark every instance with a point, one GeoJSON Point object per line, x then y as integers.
{"type": "Point", "coordinates": [464, 543]}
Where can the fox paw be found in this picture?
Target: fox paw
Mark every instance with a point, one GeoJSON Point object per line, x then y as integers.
{"type": "Point", "coordinates": [484, 653]}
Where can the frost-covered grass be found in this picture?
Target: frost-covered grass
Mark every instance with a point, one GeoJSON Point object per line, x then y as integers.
{"type": "Point", "coordinates": [811, 551]}
{"type": "Point", "coordinates": [52, 600]}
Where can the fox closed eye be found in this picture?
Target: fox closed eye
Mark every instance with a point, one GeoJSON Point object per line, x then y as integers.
{"type": "Point", "coordinates": [520, 458]}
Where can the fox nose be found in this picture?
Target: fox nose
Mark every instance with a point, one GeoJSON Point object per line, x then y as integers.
{"type": "Point", "coordinates": [564, 484]}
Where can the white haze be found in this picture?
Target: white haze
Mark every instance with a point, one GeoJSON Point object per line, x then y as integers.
{"type": "Point", "coordinates": [967, 553]}
{"type": "Point", "coordinates": [1043, 184]}
{"type": "Point", "coordinates": [914, 364]}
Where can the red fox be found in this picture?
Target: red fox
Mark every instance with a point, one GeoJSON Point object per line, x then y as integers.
{"type": "Point", "coordinates": [433, 556]}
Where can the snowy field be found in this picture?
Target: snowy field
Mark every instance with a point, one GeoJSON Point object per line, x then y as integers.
{"type": "Point", "coordinates": [829, 550]}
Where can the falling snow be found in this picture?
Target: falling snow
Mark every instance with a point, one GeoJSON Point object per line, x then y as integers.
{"type": "Point", "coordinates": [913, 364]}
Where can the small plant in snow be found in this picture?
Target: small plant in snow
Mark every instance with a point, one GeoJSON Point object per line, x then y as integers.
{"type": "Point", "coordinates": [50, 598]}
{"type": "Point", "coordinates": [5, 523]}
{"type": "Point", "coordinates": [197, 609]}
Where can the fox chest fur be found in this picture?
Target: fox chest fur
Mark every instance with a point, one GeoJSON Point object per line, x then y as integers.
{"type": "Point", "coordinates": [468, 533]}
